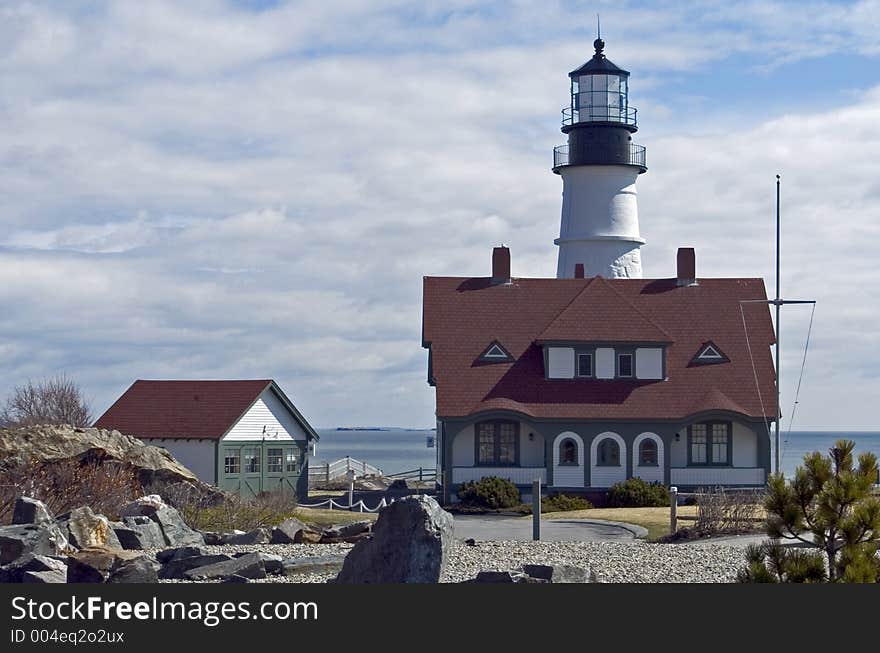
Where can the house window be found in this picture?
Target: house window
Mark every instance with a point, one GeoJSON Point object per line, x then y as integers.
{"type": "Point", "coordinates": [231, 461]}
{"type": "Point", "coordinates": [273, 460]}
{"type": "Point", "coordinates": [251, 460]}
{"type": "Point", "coordinates": [497, 443]}
{"type": "Point", "coordinates": [624, 365]}
{"type": "Point", "coordinates": [585, 365]}
{"type": "Point", "coordinates": [608, 453]}
{"type": "Point", "coordinates": [568, 452]}
{"type": "Point", "coordinates": [290, 460]}
{"type": "Point", "coordinates": [710, 443]}
{"type": "Point", "coordinates": [648, 453]}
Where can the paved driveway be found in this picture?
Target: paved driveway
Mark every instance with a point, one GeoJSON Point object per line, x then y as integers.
{"type": "Point", "coordinates": [497, 527]}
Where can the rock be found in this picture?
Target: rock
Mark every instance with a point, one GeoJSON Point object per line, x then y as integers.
{"type": "Point", "coordinates": [348, 530]}
{"type": "Point", "coordinates": [212, 538]}
{"type": "Point", "coordinates": [559, 573]}
{"type": "Point", "coordinates": [256, 536]}
{"type": "Point", "coordinates": [49, 444]}
{"type": "Point", "coordinates": [49, 576]}
{"type": "Point", "coordinates": [235, 578]}
{"type": "Point", "coordinates": [272, 563]}
{"type": "Point", "coordinates": [348, 540]}
{"type": "Point", "coordinates": [286, 531]}
{"type": "Point", "coordinates": [174, 529]}
{"type": "Point", "coordinates": [410, 544]}
{"type": "Point", "coordinates": [307, 536]}
{"type": "Point", "coordinates": [14, 572]}
{"type": "Point", "coordinates": [313, 565]}
{"type": "Point", "coordinates": [248, 566]}
{"type": "Point", "coordinates": [133, 533]}
{"type": "Point", "coordinates": [31, 511]}
{"type": "Point", "coordinates": [177, 567]}
{"type": "Point", "coordinates": [470, 542]}
{"type": "Point", "coordinates": [87, 529]}
{"type": "Point", "coordinates": [500, 577]}
{"type": "Point", "coordinates": [38, 539]}
{"type": "Point", "coordinates": [180, 552]}
{"type": "Point", "coordinates": [105, 565]}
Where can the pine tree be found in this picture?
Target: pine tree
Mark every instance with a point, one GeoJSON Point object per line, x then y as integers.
{"type": "Point", "coordinates": [829, 506]}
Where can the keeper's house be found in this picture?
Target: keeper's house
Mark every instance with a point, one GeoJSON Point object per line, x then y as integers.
{"type": "Point", "coordinates": [584, 382]}
{"type": "Point", "coordinates": [242, 436]}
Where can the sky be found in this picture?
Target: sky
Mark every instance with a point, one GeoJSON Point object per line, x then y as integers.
{"type": "Point", "coordinates": [255, 189]}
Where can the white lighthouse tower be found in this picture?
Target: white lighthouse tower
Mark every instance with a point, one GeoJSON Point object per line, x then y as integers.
{"type": "Point", "coordinates": [599, 166]}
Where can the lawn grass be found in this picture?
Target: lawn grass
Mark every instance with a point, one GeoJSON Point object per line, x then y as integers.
{"type": "Point", "coordinates": [656, 520]}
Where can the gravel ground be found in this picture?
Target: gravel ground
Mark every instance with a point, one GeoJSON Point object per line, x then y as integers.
{"type": "Point", "coordinates": [613, 562]}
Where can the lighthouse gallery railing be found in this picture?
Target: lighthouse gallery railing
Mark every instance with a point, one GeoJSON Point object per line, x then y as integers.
{"type": "Point", "coordinates": [636, 156]}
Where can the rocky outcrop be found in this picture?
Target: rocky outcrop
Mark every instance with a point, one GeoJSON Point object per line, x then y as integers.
{"type": "Point", "coordinates": [46, 444]}
{"type": "Point", "coordinates": [410, 544]}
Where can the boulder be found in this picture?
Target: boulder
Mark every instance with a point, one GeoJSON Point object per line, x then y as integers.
{"type": "Point", "coordinates": [286, 532]}
{"type": "Point", "coordinates": [249, 565]}
{"type": "Point", "coordinates": [314, 565]}
{"type": "Point", "coordinates": [38, 539]}
{"type": "Point", "coordinates": [559, 573]}
{"type": "Point", "coordinates": [15, 572]}
{"type": "Point", "coordinates": [256, 536]}
{"type": "Point", "coordinates": [410, 544]}
{"type": "Point", "coordinates": [31, 511]}
{"type": "Point", "coordinates": [180, 552]}
{"type": "Point", "coordinates": [101, 564]}
{"type": "Point", "coordinates": [212, 538]}
{"type": "Point", "coordinates": [271, 563]}
{"type": "Point", "coordinates": [139, 533]}
{"type": "Point", "coordinates": [177, 567]}
{"type": "Point", "coordinates": [49, 576]}
{"type": "Point", "coordinates": [174, 529]}
{"type": "Point", "coordinates": [86, 529]}
{"type": "Point", "coordinates": [307, 536]}
{"type": "Point", "coordinates": [348, 530]}
{"type": "Point", "coordinates": [500, 577]}
{"type": "Point", "coordinates": [235, 578]}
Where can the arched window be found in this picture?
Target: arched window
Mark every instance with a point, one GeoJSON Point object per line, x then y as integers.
{"type": "Point", "coordinates": [648, 452]}
{"type": "Point", "coordinates": [568, 452]}
{"type": "Point", "coordinates": [608, 453]}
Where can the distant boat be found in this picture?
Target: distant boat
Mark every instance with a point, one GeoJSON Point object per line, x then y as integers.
{"type": "Point", "coordinates": [430, 441]}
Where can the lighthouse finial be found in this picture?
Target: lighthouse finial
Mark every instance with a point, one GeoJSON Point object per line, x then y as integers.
{"type": "Point", "coordinates": [599, 44]}
{"type": "Point", "coordinates": [598, 28]}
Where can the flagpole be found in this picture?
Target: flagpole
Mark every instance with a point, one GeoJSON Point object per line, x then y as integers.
{"type": "Point", "coordinates": [778, 313]}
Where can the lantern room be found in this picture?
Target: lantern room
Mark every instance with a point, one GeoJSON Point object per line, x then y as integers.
{"type": "Point", "coordinates": [599, 93]}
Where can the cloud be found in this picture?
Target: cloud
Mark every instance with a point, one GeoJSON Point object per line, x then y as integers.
{"type": "Point", "coordinates": [217, 189]}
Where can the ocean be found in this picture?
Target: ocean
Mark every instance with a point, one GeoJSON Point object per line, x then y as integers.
{"type": "Point", "coordinates": [396, 450]}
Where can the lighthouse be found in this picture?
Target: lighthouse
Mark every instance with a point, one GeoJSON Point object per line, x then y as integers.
{"type": "Point", "coordinates": [599, 166]}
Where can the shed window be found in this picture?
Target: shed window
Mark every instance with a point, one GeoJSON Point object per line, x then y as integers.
{"type": "Point", "coordinates": [252, 460]}
{"type": "Point", "coordinates": [625, 365]}
{"type": "Point", "coordinates": [608, 453]}
{"type": "Point", "coordinates": [585, 365]}
{"type": "Point", "coordinates": [497, 443]}
{"type": "Point", "coordinates": [273, 460]}
{"type": "Point", "coordinates": [231, 461]}
{"type": "Point", "coordinates": [648, 453]}
{"type": "Point", "coordinates": [290, 460]}
{"type": "Point", "coordinates": [568, 452]}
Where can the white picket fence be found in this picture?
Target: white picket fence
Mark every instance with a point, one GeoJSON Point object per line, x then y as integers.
{"type": "Point", "coordinates": [339, 469]}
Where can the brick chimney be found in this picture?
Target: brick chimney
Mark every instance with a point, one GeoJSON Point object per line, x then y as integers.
{"type": "Point", "coordinates": [500, 265]}
{"type": "Point", "coordinates": [687, 267]}
{"type": "Point", "coordinates": [578, 270]}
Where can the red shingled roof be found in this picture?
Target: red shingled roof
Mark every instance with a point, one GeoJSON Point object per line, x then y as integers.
{"type": "Point", "coordinates": [463, 315]}
{"type": "Point", "coordinates": [181, 409]}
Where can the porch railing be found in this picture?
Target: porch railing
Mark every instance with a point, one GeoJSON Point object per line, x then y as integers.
{"type": "Point", "coordinates": [708, 476]}
{"type": "Point", "coordinates": [516, 475]}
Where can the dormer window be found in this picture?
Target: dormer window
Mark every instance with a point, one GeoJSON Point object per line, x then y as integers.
{"type": "Point", "coordinates": [585, 365]}
{"type": "Point", "coordinates": [495, 353]}
{"type": "Point", "coordinates": [709, 354]}
{"type": "Point", "coordinates": [625, 365]}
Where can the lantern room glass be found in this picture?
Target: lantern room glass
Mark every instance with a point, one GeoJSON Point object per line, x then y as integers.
{"type": "Point", "coordinates": [599, 98]}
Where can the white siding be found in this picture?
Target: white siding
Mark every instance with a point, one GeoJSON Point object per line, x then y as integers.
{"type": "Point", "coordinates": [607, 476]}
{"type": "Point", "coordinates": [717, 476]}
{"type": "Point", "coordinates": [653, 474]}
{"type": "Point", "coordinates": [745, 446]}
{"type": "Point", "coordinates": [517, 475]}
{"type": "Point", "coordinates": [604, 363]}
{"type": "Point", "coordinates": [649, 363]}
{"type": "Point", "coordinates": [560, 362]}
{"type": "Point", "coordinates": [268, 411]}
{"type": "Point", "coordinates": [463, 448]}
{"type": "Point", "coordinates": [568, 475]}
{"type": "Point", "coordinates": [196, 455]}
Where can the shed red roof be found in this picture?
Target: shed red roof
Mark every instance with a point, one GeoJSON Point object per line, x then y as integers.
{"type": "Point", "coordinates": [463, 315]}
{"type": "Point", "coordinates": [181, 409]}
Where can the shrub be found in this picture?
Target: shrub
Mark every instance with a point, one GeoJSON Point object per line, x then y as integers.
{"type": "Point", "coordinates": [564, 503]}
{"type": "Point", "coordinates": [637, 493]}
{"type": "Point", "coordinates": [234, 512]}
{"type": "Point", "coordinates": [721, 510]}
{"type": "Point", "coordinates": [489, 492]}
